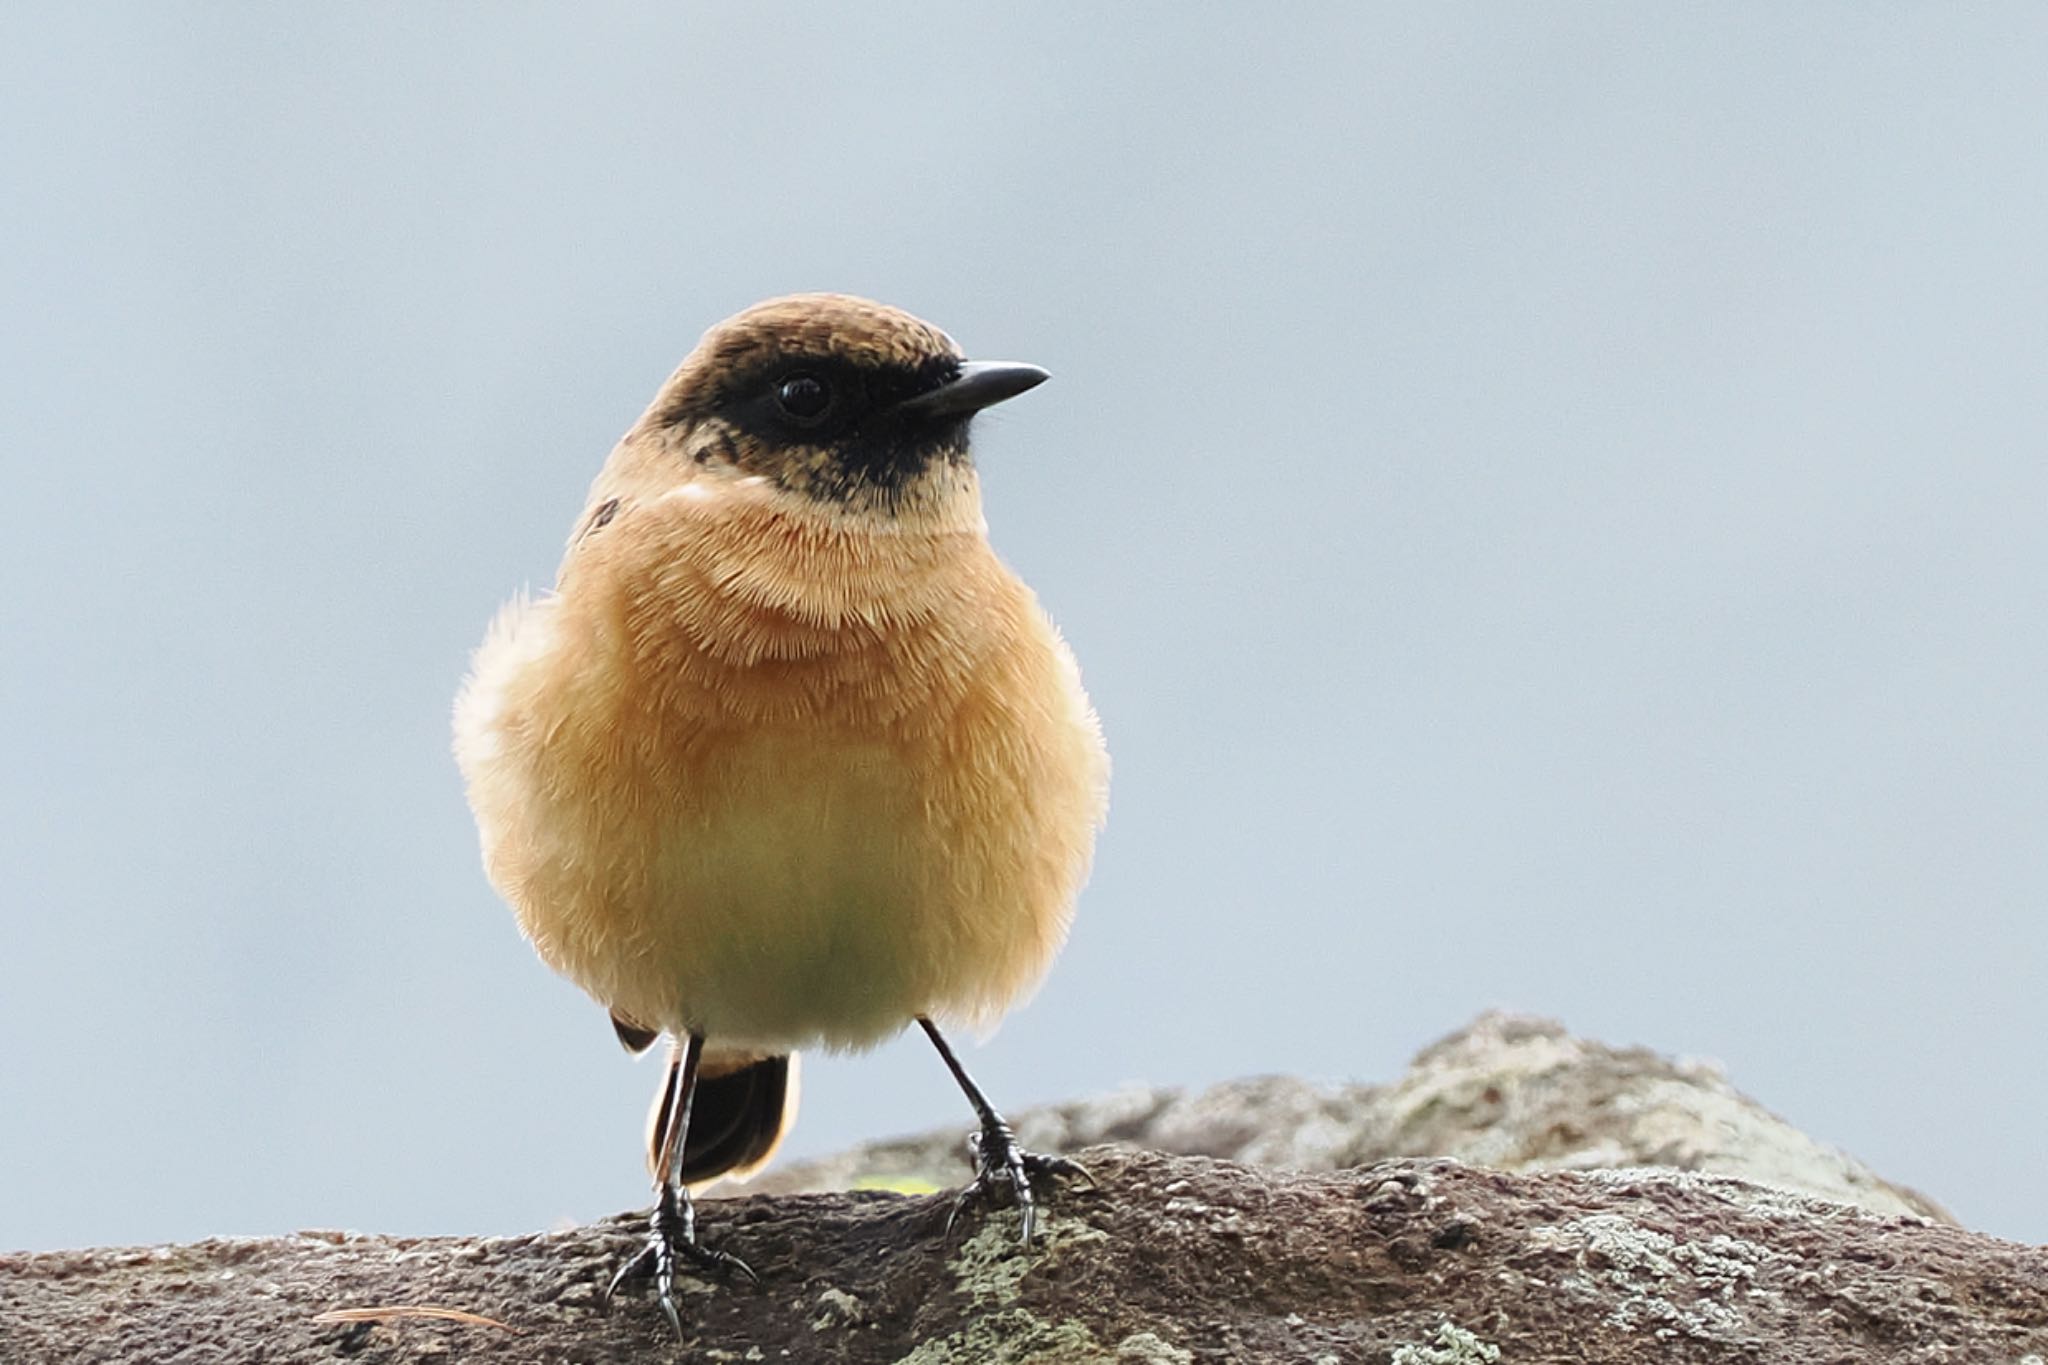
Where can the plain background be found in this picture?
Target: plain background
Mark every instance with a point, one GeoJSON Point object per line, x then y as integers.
{"type": "Point", "coordinates": [1548, 501]}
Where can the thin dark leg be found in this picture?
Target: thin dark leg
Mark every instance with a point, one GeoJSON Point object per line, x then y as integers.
{"type": "Point", "coordinates": [682, 1094]}
{"type": "Point", "coordinates": [983, 1110]}
{"type": "Point", "coordinates": [672, 1228]}
{"type": "Point", "coordinates": [997, 1157]}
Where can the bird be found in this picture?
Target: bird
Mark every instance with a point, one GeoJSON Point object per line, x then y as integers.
{"type": "Point", "coordinates": [789, 759]}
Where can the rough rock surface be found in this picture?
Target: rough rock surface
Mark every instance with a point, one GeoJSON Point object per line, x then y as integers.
{"type": "Point", "coordinates": [1172, 1259]}
{"type": "Point", "coordinates": [1511, 1092]}
{"type": "Point", "coordinates": [1606, 1230]}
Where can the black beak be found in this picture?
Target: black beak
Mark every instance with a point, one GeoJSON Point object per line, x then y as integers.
{"type": "Point", "coordinates": [980, 384]}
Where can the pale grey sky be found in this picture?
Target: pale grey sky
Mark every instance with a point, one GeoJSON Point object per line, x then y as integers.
{"type": "Point", "coordinates": [1548, 501]}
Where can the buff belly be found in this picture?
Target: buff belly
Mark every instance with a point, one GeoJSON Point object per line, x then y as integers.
{"type": "Point", "coordinates": [795, 905]}
{"type": "Point", "coordinates": [803, 891]}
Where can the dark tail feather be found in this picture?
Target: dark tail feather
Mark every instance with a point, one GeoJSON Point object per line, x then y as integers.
{"type": "Point", "coordinates": [737, 1119]}
{"type": "Point", "coordinates": [632, 1037]}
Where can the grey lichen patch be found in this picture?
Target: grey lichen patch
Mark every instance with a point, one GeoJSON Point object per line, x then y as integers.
{"type": "Point", "coordinates": [1019, 1337]}
{"type": "Point", "coordinates": [1764, 1200]}
{"type": "Point", "coordinates": [1013, 1337]}
{"type": "Point", "coordinates": [1521, 1094]}
{"type": "Point", "coordinates": [837, 1308]}
{"type": "Point", "coordinates": [989, 1268]}
{"type": "Point", "coordinates": [1453, 1346]}
{"type": "Point", "coordinates": [1653, 1281]}
{"type": "Point", "coordinates": [1479, 1074]}
{"type": "Point", "coordinates": [1706, 1125]}
{"type": "Point", "coordinates": [991, 1264]}
{"type": "Point", "coordinates": [1149, 1348]}
{"type": "Point", "coordinates": [1218, 1222]}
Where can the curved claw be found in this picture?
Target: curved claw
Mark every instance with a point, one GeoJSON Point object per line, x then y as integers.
{"type": "Point", "coordinates": [655, 1261]}
{"type": "Point", "coordinates": [998, 1159]}
{"type": "Point", "coordinates": [638, 1268]}
{"type": "Point", "coordinates": [721, 1263]}
{"type": "Point", "coordinates": [672, 1234]}
{"type": "Point", "coordinates": [1063, 1167]}
{"type": "Point", "coordinates": [967, 1192]}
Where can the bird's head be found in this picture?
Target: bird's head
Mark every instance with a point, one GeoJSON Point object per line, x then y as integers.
{"type": "Point", "coordinates": [847, 403]}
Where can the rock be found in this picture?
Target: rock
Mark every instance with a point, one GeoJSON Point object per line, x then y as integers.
{"type": "Point", "coordinates": [1508, 1091]}
{"type": "Point", "coordinates": [1172, 1259]}
{"type": "Point", "coordinates": [1605, 1227]}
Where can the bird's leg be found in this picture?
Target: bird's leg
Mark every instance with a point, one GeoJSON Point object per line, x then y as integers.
{"type": "Point", "coordinates": [998, 1160]}
{"type": "Point", "coordinates": [672, 1228]}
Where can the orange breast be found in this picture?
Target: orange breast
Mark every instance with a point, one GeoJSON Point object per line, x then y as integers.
{"type": "Point", "coordinates": [790, 780]}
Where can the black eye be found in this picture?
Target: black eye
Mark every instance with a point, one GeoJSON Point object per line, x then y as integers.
{"type": "Point", "coordinates": [804, 397]}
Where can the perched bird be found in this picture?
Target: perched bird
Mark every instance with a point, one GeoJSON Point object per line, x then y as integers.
{"type": "Point", "coordinates": [789, 758]}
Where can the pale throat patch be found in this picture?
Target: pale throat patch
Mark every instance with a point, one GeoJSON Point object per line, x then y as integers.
{"type": "Point", "coordinates": [945, 498]}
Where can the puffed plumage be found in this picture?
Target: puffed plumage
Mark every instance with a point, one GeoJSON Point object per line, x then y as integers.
{"type": "Point", "coordinates": [789, 757]}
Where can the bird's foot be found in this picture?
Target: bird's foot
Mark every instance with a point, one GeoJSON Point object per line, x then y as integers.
{"type": "Point", "coordinates": [1002, 1167]}
{"type": "Point", "coordinates": [672, 1236]}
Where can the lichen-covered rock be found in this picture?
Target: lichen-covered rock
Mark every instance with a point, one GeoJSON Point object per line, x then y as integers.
{"type": "Point", "coordinates": [1605, 1230]}
{"type": "Point", "coordinates": [1523, 1094]}
{"type": "Point", "coordinates": [1508, 1091]}
{"type": "Point", "coordinates": [1170, 1260]}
